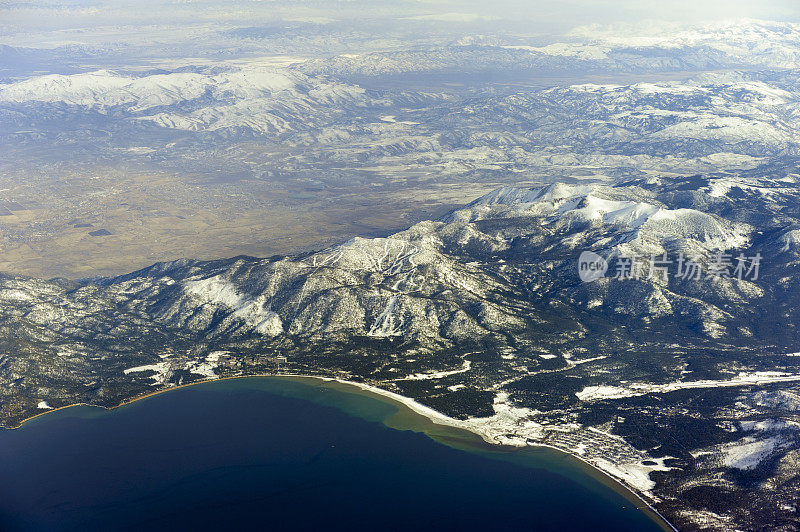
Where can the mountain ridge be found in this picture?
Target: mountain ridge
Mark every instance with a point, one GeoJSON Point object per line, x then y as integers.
{"type": "Point", "coordinates": [478, 313]}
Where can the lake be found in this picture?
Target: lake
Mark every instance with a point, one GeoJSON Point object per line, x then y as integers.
{"type": "Point", "coordinates": [288, 453]}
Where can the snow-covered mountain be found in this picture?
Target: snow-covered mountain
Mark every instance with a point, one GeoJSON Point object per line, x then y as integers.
{"type": "Point", "coordinates": [481, 310]}
{"type": "Point", "coordinates": [710, 114]}
{"type": "Point", "coordinates": [634, 47]}
{"type": "Point", "coordinates": [656, 45]}
{"type": "Point", "coordinates": [733, 120]}
{"type": "Point", "coordinates": [662, 158]}
{"type": "Point", "coordinates": [263, 100]}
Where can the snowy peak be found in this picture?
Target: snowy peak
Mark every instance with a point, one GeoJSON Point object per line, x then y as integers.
{"type": "Point", "coordinates": [101, 88]}
{"type": "Point", "coordinates": [735, 42]}
{"type": "Point", "coordinates": [104, 88]}
{"type": "Point", "coordinates": [465, 276]}
{"type": "Point", "coordinates": [526, 196]}
{"type": "Point", "coordinates": [631, 210]}
{"type": "Point", "coordinates": [264, 100]}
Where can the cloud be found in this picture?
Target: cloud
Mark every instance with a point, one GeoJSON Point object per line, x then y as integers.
{"type": "Point", "coordinates": [548, 15]}
{"type": "Point", "coordinates": [453, 17]}
{"type": "Point", "coordinates": [528, 16]}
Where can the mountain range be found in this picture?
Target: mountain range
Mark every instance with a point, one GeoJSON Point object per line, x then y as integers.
{"type": "Point", "coordinates": [482, 316]}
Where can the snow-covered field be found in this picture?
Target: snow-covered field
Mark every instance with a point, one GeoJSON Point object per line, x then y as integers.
{"type": "Point", "coordinates": [599, 393]}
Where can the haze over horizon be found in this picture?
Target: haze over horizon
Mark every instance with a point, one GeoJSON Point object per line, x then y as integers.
{"type": "Point", "coordinates": [541, 17]}
{"type": "Point", "coordinates": [399, 194]}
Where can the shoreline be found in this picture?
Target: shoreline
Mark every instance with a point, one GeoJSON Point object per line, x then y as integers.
{"type": "Point", "coordinates": [438, 418]}
{"type": "Point", "coordinates": [433, 416]}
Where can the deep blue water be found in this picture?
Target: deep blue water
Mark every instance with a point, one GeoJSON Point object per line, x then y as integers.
{"type": "Point", "coordinates": [268, 454]}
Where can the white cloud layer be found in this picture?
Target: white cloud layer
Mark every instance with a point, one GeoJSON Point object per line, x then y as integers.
{"type": "Point", "coordinates": [537, 15]}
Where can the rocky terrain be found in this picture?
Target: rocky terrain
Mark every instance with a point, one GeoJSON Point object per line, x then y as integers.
{"type": "Point", "coordinates": [624, 288]}
{"type": "Point", "coordinates": [686, 389]}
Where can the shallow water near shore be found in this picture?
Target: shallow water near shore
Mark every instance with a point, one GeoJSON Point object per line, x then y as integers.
{"type": "Point", "coordinates": [288, 453]}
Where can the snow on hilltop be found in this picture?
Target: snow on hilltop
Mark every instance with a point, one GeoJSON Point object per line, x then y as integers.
{"type": "Point", "coordinates": [261, 99]}
{"type": "Point", "coordinates": [646, 218]}
{"type": "Point", "coordinates": [745, 41]}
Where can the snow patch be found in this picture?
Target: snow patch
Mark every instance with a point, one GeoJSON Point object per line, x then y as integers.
{"type": "Point", "coordinates": [161, 372]}
{"type": "Point", "coordinates": [601, 392]}
{"type": "Point", "coordinates": [747, 453]}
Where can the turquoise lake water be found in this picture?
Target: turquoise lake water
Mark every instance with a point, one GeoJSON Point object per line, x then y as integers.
{"type": "Point", "coordinates": [280, 454]}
